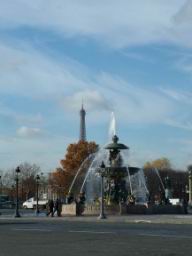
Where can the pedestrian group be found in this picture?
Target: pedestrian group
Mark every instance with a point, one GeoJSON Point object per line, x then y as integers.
{"type": "Point", "coordinates": [54, 207]}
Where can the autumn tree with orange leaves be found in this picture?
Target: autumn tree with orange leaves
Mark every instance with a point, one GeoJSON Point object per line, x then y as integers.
{"type": "Point", "coordinates": [160, 164]}
{"type": "Point", "coordinates": [76, 153]}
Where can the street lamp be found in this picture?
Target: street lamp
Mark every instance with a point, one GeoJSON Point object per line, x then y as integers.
{"type": "Point", "coordinates": [1, 191]}
{"type": "Point", "coordinates": [101, 171]}
{"type": "Point", "coordinates": [1, 184]}
{"type": "Point", "coordinates": [17, 214]}
{"type": "Point", "coordinates": [168, 193]}
{"type": "Point", "coordinates": [190, 183]}
{"type": "Point", "coordinates": [37, 193]}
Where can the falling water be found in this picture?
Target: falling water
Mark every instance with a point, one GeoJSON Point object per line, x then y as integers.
{"type": "Point", "coordinates": [157, 172]}
{"type": "Point", "coordinates": [112, 126]}
{"type": "Point", "coordinates": [140, 190]}
{"type": "Point", "coordinates": [91, 183]}
{"type": "Point", "coordinates": [98, 159]}
{"type": "Point", "coordinates": [131, 189]}
{"type": "Point", "coordinates": [79, 170]}
{"type": "Point", "coordinates": [136, 184]}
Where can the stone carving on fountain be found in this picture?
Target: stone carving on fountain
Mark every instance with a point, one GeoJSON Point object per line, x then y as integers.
{"type": "Point", "coordinates": [115, 189]}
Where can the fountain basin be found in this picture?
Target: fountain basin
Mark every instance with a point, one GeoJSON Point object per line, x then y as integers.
{"type": "Point", "coordinates": [121, 209]}
{"type": "Point", "coordinates": [76, 209]}
{"type": "Point", "coordinates": [114, 172]}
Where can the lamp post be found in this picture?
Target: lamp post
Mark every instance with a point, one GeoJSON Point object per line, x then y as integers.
{"type": "Point", "coordinates": [101, 171]}
{"type": "Point", "coordinates": [37, 194]}
{"type": "Point", "coordinates": [168, 193]}
{"type": "Point", "coordinates": [1, 190]}
{"type": "Point", "coordinates": [190, 183]}
{"type": "Point", "coordinates": [12, 192]}
{"type": "Point", "coordinates": [17, 214]}
{"type": "Point", "coordinates": [1, 184]}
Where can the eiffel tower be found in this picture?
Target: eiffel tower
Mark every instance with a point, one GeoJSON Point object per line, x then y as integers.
{"type": "Point", "coordinates": [82, 136]}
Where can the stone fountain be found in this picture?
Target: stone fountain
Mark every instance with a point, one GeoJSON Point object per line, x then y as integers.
{"type": "Point", "coordinates": [122, 184]}
{"type": "Point", "coordinates": [115, 173]}
{"type": "Point", "coordinates": [123, 187]}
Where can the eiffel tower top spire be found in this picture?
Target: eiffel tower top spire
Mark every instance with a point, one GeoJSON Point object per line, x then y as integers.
{"type": "Point", "coordinates": [82, 136]}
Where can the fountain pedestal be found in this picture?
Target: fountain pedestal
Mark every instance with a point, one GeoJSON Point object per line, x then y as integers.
{"type": "Point", "coordinates": [115, 174]}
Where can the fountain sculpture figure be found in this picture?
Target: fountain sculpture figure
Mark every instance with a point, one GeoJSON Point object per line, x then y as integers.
{"type": "Point", "coordinates": [116, 189]}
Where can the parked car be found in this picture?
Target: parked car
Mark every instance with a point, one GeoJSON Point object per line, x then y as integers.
{"type": "Point", "coordinates": [31, 203]}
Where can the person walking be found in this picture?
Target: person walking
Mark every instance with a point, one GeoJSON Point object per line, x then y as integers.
{"type": "Point", "coordinates": [50, 208]}
{"type": "Point", "coordinates": [57, 207]}
{"type": "Point", "coordinates": [185, 205]}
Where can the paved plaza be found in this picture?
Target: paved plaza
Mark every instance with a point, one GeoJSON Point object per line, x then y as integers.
{"type": "Point", "coordinates": [118, 235]}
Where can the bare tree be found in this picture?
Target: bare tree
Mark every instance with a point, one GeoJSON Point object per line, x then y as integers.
{"type": "Point", "coordinates": [27, 180]}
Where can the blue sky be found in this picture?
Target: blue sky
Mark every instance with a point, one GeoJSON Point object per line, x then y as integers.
{"type": "Point", "coordinates": [130, 57]}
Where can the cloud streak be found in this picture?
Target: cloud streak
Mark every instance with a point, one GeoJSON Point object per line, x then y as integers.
{"type": "Point", "coordinates": [20, 118]}
{"type": "Point", "coordinates": [67, 82]}
{"type": "Point", "coordinates": [16, 150]}
{"type": "Point", "coordinates": [182, 96]}
{"type": "Point", "coordinates": [29, 132]}
{"type": "Point", "coordinates": [27, 72]}
{"type": "Point", "coordinates": [118, 24]}
{"type": "Point", "coordinates": [92, 100]}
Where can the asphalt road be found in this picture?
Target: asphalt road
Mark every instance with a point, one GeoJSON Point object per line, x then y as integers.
{"type": "Point", "coordinates": [48, 237]}
{"type": "Point", "coordinates": [23, 212]}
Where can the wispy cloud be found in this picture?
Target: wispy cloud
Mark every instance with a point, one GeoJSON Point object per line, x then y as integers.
{"type": "Point", "coordinates": [138, 104]}
{"type": "Point", "coordinates": [130, 54]}
{"type": "Point", "coordinates": [93, 101]}
{"type": "Point", "coordinates": [19, 117]}
{"type": "Point", "coordinates": [66, 83]}
{"type": "Point", "coordinates": [184, 64]}
{"type": "Point", "coordinates": [179, 95]}
{"type": "Point", "coordinates": [131, 103]}
{"type": "Point", "coordinates": [29, 132]}
{"type": "Point", "coordinates": [118, 24]}
{"type": "Point", "coordinates": [24, 77]}
{"type": "Point", "coordinates": [15, 150]}
{"type": "Point", "coordinates": [184, 14]}
{"type": "Point", "coordinates": [181, 124]}
{"type": "Point", "coordinates": [70, 83]}
{"type": "Point", "coordinates": [182, 114]}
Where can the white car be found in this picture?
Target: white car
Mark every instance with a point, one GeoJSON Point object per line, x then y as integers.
{"type": "Point", "coordinates": [31, 203]}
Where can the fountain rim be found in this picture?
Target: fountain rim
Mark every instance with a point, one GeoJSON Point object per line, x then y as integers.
{"type": "Point", "coordinates": [115, 144]}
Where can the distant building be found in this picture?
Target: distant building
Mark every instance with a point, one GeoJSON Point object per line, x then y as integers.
{"type": "Point", "coordinates": [82, 135]}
